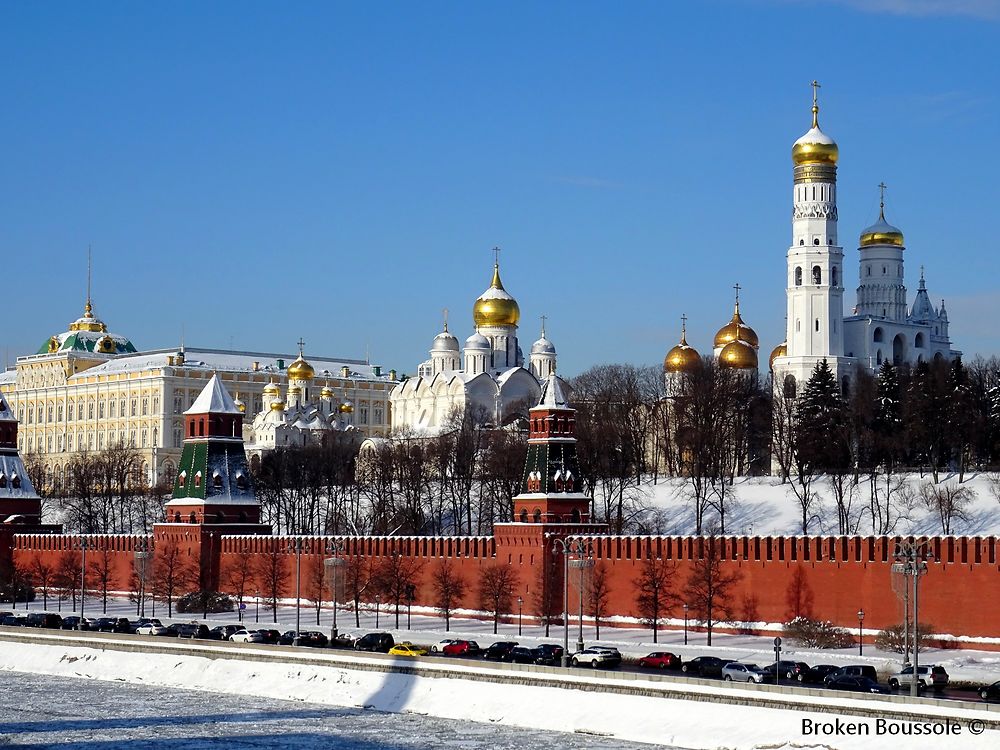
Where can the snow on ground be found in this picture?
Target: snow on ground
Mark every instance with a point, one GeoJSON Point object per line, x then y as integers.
{"type": "Point", "coordinates": [963, 665]}
{"type": "Point", "coordinates": [763, 506]}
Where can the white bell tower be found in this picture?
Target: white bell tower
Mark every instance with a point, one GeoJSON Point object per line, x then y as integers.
{"type": "Point", "coordinates": [814, 285]}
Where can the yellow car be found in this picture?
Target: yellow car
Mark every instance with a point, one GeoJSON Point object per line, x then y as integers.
{"type": "Point", "coordinates": [407, 649]}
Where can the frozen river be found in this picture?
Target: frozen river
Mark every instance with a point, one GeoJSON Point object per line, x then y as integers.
{"type": "Point", "coordinates": [42, 711]}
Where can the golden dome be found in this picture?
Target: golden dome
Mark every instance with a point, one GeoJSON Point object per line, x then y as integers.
{"type": "Point", "coordinates": [495, 307]}
{"type": "Point", "coordinates": [736, 330]}
{"type": "Point", "coordinates": [278, 405]}
{"type": "Point", "coordinates": [272, 389]}
{"type": "Point", "coordinates": [301, 370]}
{"type": "Point", "coordinates": [815, 147]}
{"type": "Point", "coordinates": [239, 404]}
{"type": "Point", "coordinates": [738, 355]}
{"type": "Point", "coordinates": [294, 391]}
{"type": "Point", "coordinates": [327, 392]}
{"type": "Point", "coordinates": [780, 350]}
{"type": "Point", "coordinates": [346, 408]}
{"type": "Point", "coordinates": [682, 357]}
{"type": "Point", "coordinates": [881, 232]}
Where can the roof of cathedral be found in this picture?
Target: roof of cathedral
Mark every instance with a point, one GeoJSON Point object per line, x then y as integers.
{"type": "Point", "coordinates": [683, 356]}
{"type": "Point", "coordinates": [552, 394]}
{"type": "Point", "coordinates": [445, 341]}
{"type": "Point", "coordinates": [87, 333]}
{"type": "Point", "coordinates": [922, 310]}
{"type": "Point", "coordinates": [214, 399]}
{"type": "Point", "coordinates": [477, 341]}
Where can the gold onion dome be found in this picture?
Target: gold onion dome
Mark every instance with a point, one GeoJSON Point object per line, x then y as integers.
{"type": "Point", "coordinates": [815, 147]}
{"type": "Point", "coordinates": [736, 330]}
{"type": "Point", "coordinates": [738, 355]}
{"type": "Point", "coordinates": [881, 232]}
{"type": "Point", "coordinates": [780, 350]}
{"type": "Point", "coordinates": [301, 370]}
{"type": "Point", "coordinates": [346, 408]}
{"type": "Point", "coordinates": [495, 307]}
{"type": "Point", "coordinates": [272, 389]}
{"type": "Point", "coordinates": [294, 391]}
{"type": "Point", "coordinates": [327, 392]}
{"type": "Point", "coordinates": [278, 405]}
{"type": "Point", "coordinates": [682, 357]}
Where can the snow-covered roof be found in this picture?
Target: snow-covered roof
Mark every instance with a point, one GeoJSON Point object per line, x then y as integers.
{"type": "Point", "coordinates": [6, 415]}
{"type": "Point", "coordinates": [552, 394]}
{"type": "Point", "coordinates": [214, 399]}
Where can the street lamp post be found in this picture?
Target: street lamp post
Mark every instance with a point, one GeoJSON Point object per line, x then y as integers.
{"type": "Point", "coordinates": [378, 599]}
{"type": "Point", "coordinates": [333, 565]}
{"type": "Point", "coordinates": [409, 604]}
{"type": "Point", "coordinates": [256, 612]}
{"type": "Point", "coordinates": [911, 560]}
{"type": "Point", "coordinates": [142, 557]}
{"type": "Point", "coordinates": [861, 622]}
{"type": "Point", "coordinates": [520, 605]}
{"type": "Point", "coordinates": [83, 578]}
{"type": "Point", "coordinates": [685, 624]}
{"type": "Point", "coordinates": [295, 545]}
{"type": "Point", "coordinates": [570, 546]}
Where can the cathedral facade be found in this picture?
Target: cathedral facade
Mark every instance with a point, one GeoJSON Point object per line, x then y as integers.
{"type": "Point", "coordinates": [486, 378]}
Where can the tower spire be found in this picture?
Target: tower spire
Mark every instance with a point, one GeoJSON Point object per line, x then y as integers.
{"type": "Point", "coordinates": [544, 318]}
{"type": "Point", "coordinates": [737, 287]}
{"type": "Point", "coordinates": [684, 320]}
{"type": "Point", "coordinates": [815, 108]}
{"type": "Point", "coordinates": [88, 308]}
{"type": "Point", "coordinates": [881, 200]}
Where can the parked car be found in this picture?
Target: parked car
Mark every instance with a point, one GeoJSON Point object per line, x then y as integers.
{"type": "Point", "coordinates": [990, 692]}
{"type": "Point", "coordinates": [816, 675]}
{"type": "Point", "coordinates": [660, 660]}
{"type": "Point", "coordinates": [788, 670]}
{"type": "Point", "coordinates": [930, 676]}
{"type": "Point", "coordinates": [151, 627]}
{"type": "Point", "coordinates": [246, 636]}
{"type": "Point", "coordinates": [498, 650]}
{"type": "Point", "coordinates": [113, 625]}
{"type": "Point", "coordinates": [462, 648]}
{"type": "Point", "coordinates": [548, 654]}
{"type": "Point", "coordinates": [598, 657]}
{"type": "Point", "coordinates": [438, 648]}
{"type": "Point", "coordinates": [222, 632]}
{"type": "Point", "coordinates": [312, 638]}
{"type": "Point", "coordinates": [189, 629]}
{"type": "Point", "coordinates": [705, 666]}
{"type": "Point", "coordinates": [737, 671]}
{"type": "Point", "coordinates": [343, 640]}
{"type": "Point", "coordinates": [857, 685]}
{"type": "Point", "coordinates": [380, 642]}
{"type": "Point", "coordinates": [852, 670]}
{"type": "Point", "coordinates": [14, 621]}
{"type": "Point", "coordinates": [72, 622]}
{"type": "Point", "coordinates": [407, 649]}
{"type": "Point", "coordinates": [520, 655]}
{"type": "Point", "coordinates": [44, 620]}
{"type": "Point", "coordinates": [268, 635]}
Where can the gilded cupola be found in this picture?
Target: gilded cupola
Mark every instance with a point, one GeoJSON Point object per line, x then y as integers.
{"type": "Point", "coordinates": [300, 369]}
{"type": "Point", "coordinates": [495, 306]}
{"type": "Point", "coordinates": [781, 350]}
{"type": "Point", "coordinates": [682, 357]}
{"type": "Point", "coordinates": [736, 330]}
{"type": "Point", "coordinates": [881, 232]}
{"type": "Point", "coordinates": [815, 147]}
{"type": "Point", "coordinates": [738, 355]}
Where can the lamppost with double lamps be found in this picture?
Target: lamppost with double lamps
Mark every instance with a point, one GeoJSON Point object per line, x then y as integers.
{"type": "Point", "coordinates": [520, 605]}
{"type": "Point", "coordinates": [333, 564]}
{"type": "Point", "coordinates": [685, 624]}
{"type": "Point", "coordinates": [571, 546]}
{"type": "Point", "coordinates": [83, 578]}
{"type": "Point", "coordinates": [295, 545]}
{"type": "Point", "coordinates": [378, 600]}
{"type": "Point", "coordinates": [861, 622]}
{"type": "Point", "coordinates": [142, 558]}
{"type": "Point", "coordinates": [911, 560]}
{"type": "Point", "coordinates": [410, 593]}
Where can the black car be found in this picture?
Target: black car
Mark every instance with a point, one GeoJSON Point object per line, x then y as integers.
{"type": "Point", "coordinates": [990, 692]}
{"type": "Point", "coordinates": [548, 654]}
{"type": "Point", "coordinates": [14, 621]}
{"type": "Point", "coordinates": [380, 642]}
{"type": "Point", "coordinates": [853, 670]}
{"type": "Point", "coordinates": [343, 640]}
{"type": "Point", "coordinates": [188, 630]}
{"type": "Point", "coordinates": [44, 620]}
{"type": "Point", "coordinates": [113, 625]}
{"type": "Point", "coordinates": [816, 675]}
{"type": "Point", "coordinates": [857, 685]}
{"type": "Point", "coordinates": [222, 632]}
{"type": "Point", "coordinates": [705, 666]}
{"type": "Point", "coordinates": [306, 638]}
{"type": "Point", "coordinates": [269, 636]}
{"type": "Point", "coordinates": [788, 670]}
{"type": "Point", "coordinates": [520, 655]}
{"type": "Point", "coordinates": [499, 650]}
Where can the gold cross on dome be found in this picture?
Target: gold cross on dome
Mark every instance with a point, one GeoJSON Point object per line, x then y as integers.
{"type": "Point", "coordinates": [881, 194]}
{"type": "Point", "coordinates": [737, 287]}
{"type": "Point", "coordinates": [302, 345]}
{"type": "Point", "coordinates": [816, 87]}
{"type": "Point", "coordinates": [544, 318]}
{"type": "Point", "coordinates": [496, 256]}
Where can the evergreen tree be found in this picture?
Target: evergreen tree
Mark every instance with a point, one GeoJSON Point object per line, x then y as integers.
{"type": "Point", "coordinates": [993, 418]}
{"type": "Point", "coordinates": [888, 415]}
{"type": "Point", "coordinates": [963, 418]}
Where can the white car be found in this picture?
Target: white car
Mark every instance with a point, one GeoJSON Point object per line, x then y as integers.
{"type": "Point", "coordinates": [246, 636]}
{"type": "Point", "coordinates": [596, 657]}
{"type": "Point", "coordinates": [437, 648]}
{"type": "Point", "coordinates": [151, 628]}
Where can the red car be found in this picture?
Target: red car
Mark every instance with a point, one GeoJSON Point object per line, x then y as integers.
{"type": "Point", "coordinates": [660, 660]}
{"type": "Point", "coordinates": [462, 648]}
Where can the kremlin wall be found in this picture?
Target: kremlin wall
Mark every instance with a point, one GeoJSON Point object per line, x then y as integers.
{"type": "Point", "coordinates": [218, 530]}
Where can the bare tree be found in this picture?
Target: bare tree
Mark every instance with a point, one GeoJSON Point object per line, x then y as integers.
{"type": "Point", "coordinates": [273, 576]}
{"type": "Point", "coordinates": [449, 588]}
{"type": "Point", "coordinates": [710, 587]}
{"type": "Point", "coordinates": [102, 571]}
{"type": "Point", "coordinates": [654, 592]}
{"type": "Point", "coordinates": [316, 583]}
{"type": "Point", "coordinates": [67, 577]}
{"type": "Point", "coordinates": [496, 590]}
{"type": "Point", "coordinates": [357, 580]}
{"type": "Point", "coordinates": [172, 572]}
{"type": "Point", "coordinates": [799, 595]}
{"type": "Point", "coordinates": [43, 574]}
{"type": "Point", "coordinates": [239, 576]}
{"type": "Point", "coordinates": [545, 600]}
{"type": "Point", "coordinates": [598, 590]}
{"type": "Point", "coordinates": [948, 501]}
{"type": "Point", "coordinates": [394, 577]}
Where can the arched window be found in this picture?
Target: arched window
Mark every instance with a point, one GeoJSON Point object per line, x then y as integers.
{"type": "Point", "coordinates": [845, 387]}
{"type": "Point", "coordinates": [798, 325]}
{"type": "Point", "coordinates": [524, 515]}
{"type": "Point", "coordinates": [537, 516]}
{"type": "Point", "coordinates": [816, 241]}
{"type": "Point", "coordinates": [817, 275]}
{"type": "Point", "coordinates": [217, 480]}
{"type": "Point", "coordinates": [833, 276]}
{"type": "Point", "coordinates": [817, 325]}
{"type": "Point", "coordinates": [802, 242]}
{"type": "Point", "coordinates": [789, 386]}
{"type": "Point", "coordinates": [798, 275]}
{"type": "Point", "coordinates": [192, 518]}
{"type": "Point", "coordinates": [878, 356]}
{"type": "Point", "coordinates": [177, 517]}
{"type": "Point", "coordinates": [877, 335]}
{"type": "Point", "coordinates": [576, 515]}
{"type": "Point", "coordinates": [919, 341]}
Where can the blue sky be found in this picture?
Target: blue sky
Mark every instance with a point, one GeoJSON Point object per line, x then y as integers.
{"type": "Point", "coordinates": [256, 172]}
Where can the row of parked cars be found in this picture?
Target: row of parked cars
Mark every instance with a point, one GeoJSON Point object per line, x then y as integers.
{"type": "Point", "coordinates": [548, 654]}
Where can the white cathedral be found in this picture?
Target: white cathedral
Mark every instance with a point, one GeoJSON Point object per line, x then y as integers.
{"type": "Point", "coordinates": [882, 326]}
{"type": "Point", "coordinates": [486, 379]}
